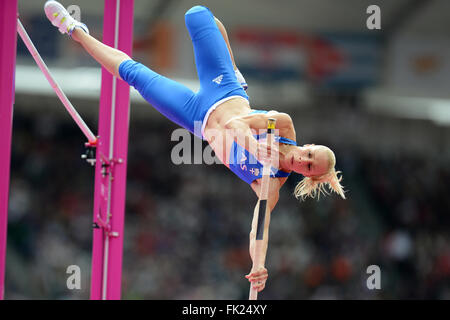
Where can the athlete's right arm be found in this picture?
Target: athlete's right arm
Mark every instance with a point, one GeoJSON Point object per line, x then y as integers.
{"type": "Point", "coordinates": [243, 135]}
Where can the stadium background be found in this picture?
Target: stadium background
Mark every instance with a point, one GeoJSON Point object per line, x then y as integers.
{"type": "Point", "coordinates": [379, 98]}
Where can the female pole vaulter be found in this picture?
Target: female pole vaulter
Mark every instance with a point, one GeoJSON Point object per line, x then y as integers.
{"type": "Point", "coordinates": [221, 108]}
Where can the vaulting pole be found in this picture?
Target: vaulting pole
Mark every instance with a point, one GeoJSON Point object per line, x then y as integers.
{"type": "Point", "coordinates": [111, 159]}
{"type": "Point", "coordinates": [8, 41]}
{"type": "Point", "coordinates": [263, 212]}
{"type": "Point", "coordinates": [61, 95]}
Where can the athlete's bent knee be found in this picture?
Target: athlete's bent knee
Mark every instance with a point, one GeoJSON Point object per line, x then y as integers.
{"type": "Point", "coordinates": [199, 19]}
{"type": "Point", "coordinates": [196, 9]}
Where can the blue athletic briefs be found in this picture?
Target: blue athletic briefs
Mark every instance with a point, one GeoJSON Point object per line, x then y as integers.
{"type": "Point", "coordinates": [214, 68]}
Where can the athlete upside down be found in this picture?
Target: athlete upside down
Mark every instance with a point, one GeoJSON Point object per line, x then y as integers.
{"type": "Point", "coordinates": [222, 108]}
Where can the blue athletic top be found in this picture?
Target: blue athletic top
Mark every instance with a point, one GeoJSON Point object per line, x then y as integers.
{"type": "Point", "coordinates": [246, 166]}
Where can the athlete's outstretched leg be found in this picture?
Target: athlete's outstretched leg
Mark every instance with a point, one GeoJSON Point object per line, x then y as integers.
{"type": "Point", "coordinates": [107, 56]}
{"type": "Point", "coordinates": [111, 58]}
{"type": "Point", "coordinates": [169, 97]}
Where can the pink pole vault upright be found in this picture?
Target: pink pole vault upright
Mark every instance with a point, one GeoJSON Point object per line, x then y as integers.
{"type": "Point", "coordinates": [111, 159]}
{"type": "Point", "coordinates": [8, 41]}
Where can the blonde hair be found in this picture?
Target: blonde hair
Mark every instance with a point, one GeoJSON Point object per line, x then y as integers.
{"type": "Point", "coordinates": [316, 185]}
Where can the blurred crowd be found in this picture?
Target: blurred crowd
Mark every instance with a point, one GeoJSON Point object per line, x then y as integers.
{"type": "Point", "coordinates": [187, 226]}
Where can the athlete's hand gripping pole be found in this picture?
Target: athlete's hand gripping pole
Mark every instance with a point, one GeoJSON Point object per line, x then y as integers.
{"type": "Point", "coordinates": [263, 211]}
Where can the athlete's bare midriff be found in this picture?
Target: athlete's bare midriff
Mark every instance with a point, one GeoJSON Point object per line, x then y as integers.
{"type": "Point", "coordinates": [215, 130]}
{"type": "Point", "coordinates": [227, 110]}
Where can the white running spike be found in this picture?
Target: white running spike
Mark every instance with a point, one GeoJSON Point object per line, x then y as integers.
{"type": "Point", "coordinates": [60, 18]}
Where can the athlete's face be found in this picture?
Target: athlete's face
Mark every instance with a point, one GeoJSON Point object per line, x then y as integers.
{"type": "Point", "coordinates": [311, 160]}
